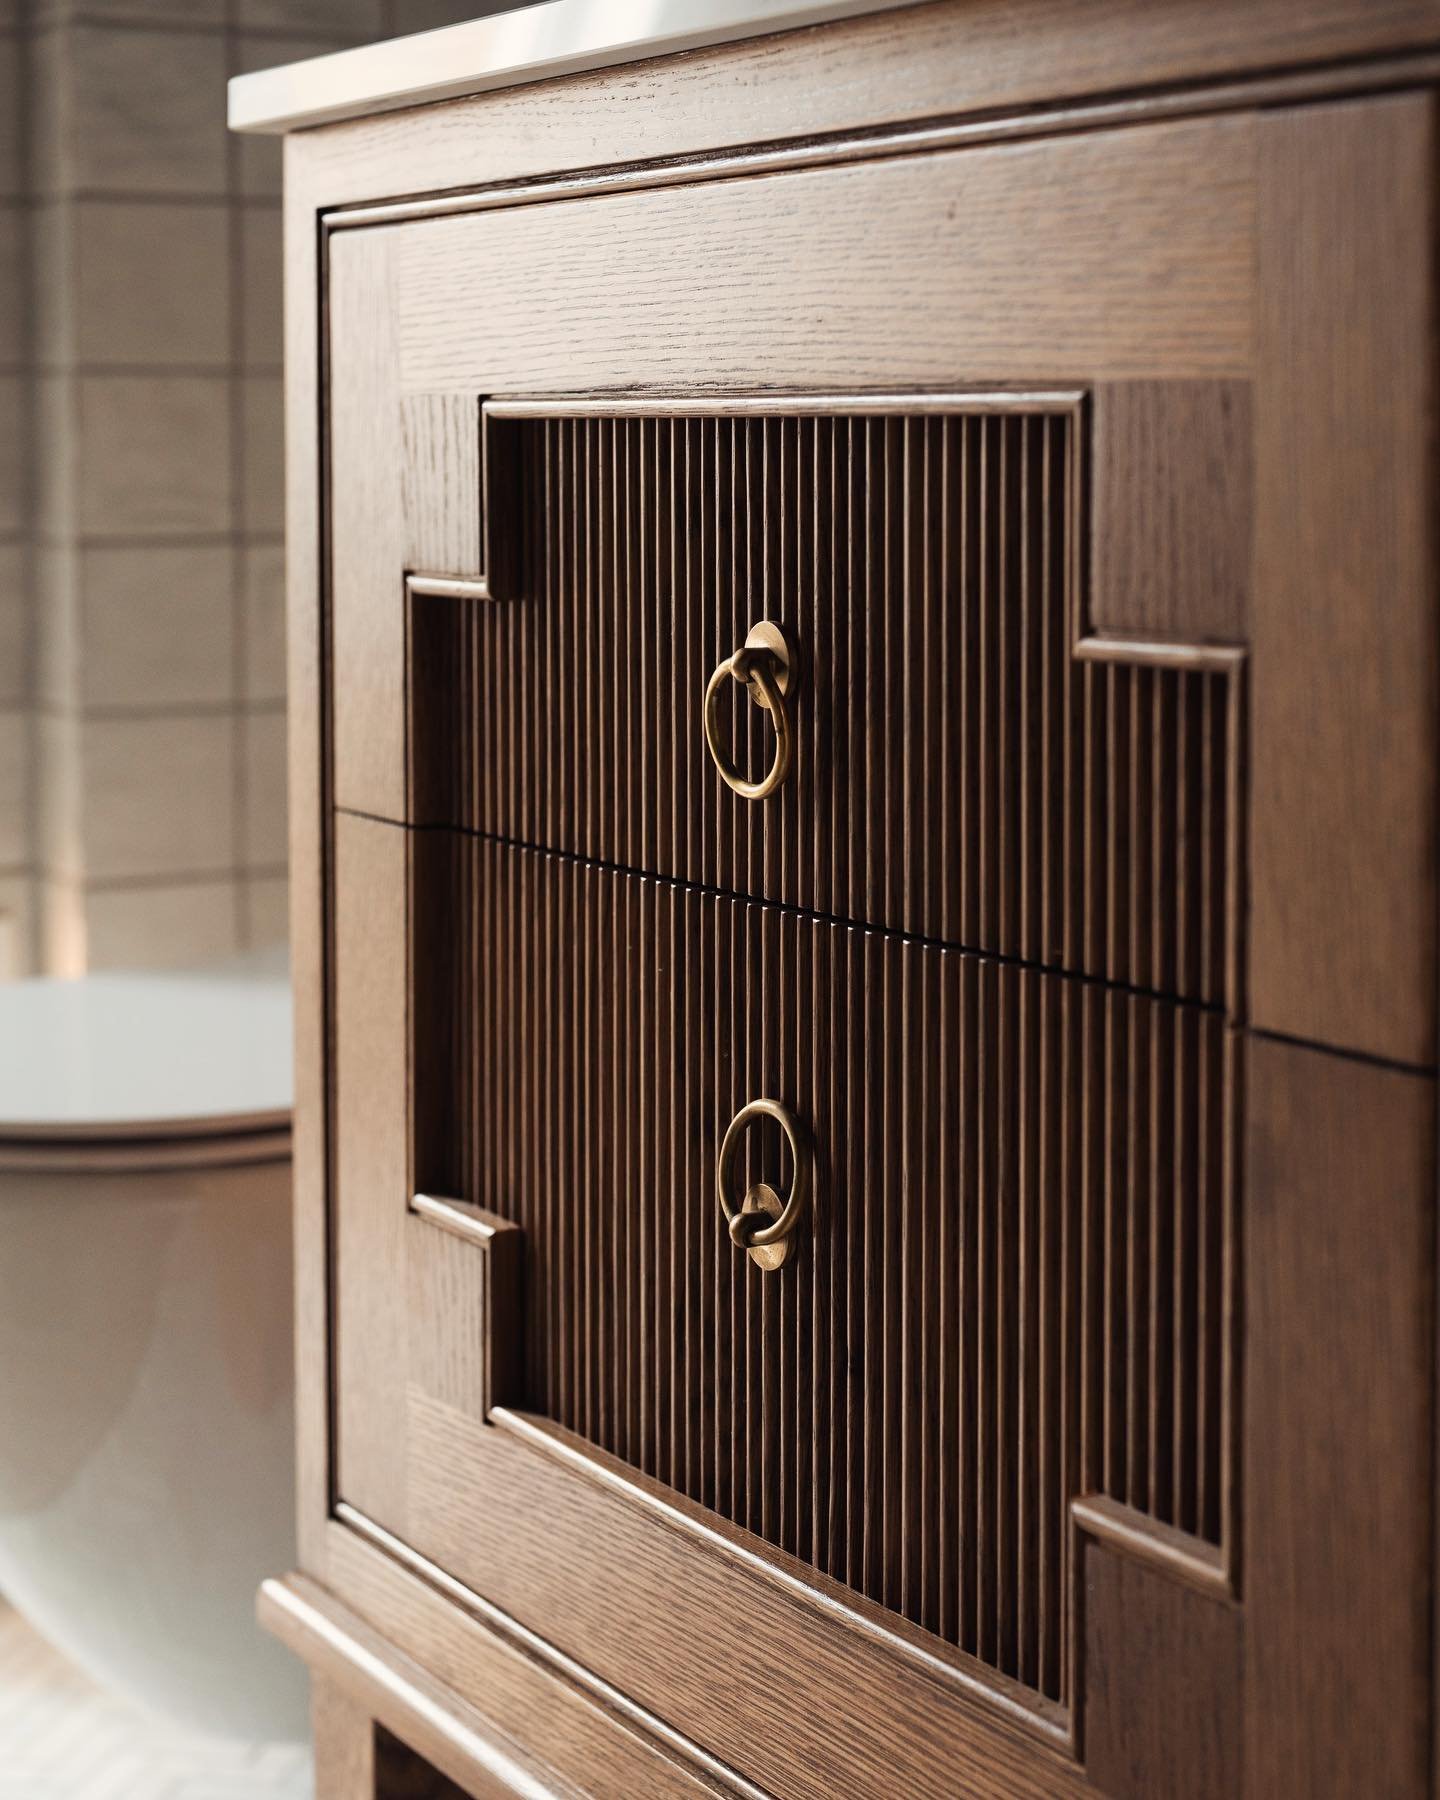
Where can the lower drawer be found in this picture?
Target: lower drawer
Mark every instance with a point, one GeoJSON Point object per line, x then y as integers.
{"type": "Point", "coordinates": [1007, 1289]}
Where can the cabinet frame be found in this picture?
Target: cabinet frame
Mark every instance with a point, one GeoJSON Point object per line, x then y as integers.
{"type": "Point", "coordinates": [1331, 205]}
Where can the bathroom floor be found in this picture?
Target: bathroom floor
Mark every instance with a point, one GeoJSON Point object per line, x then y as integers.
{"type": "Point", "coordinates": [62, 1738]}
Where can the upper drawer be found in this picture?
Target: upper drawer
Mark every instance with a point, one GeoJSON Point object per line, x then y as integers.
{"type": "Point", "coordinates": [944, 761]}
{"type": "Point", "coordinates": [1012, 712]}
{"type": "Point", "coordinates": [949, 759]}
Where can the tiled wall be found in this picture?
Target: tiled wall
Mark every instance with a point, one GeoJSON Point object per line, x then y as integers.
{"type": "Point", "coordinates": [16, 762]}
{"type": "Point", "coordinates": [142, 702]}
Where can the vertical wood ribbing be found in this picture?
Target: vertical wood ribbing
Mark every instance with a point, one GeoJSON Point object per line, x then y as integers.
{"type": "Point", "coordinates": [1012, 1287]}
{"type": "Point", "coordinates": [958, 774]}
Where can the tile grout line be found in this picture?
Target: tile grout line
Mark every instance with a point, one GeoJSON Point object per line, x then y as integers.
{"type": "Point", "coordinates": [239, 672]}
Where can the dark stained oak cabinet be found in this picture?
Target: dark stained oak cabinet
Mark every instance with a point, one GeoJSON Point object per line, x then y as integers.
{"type": "Point", "coordinates": [1056, 384]}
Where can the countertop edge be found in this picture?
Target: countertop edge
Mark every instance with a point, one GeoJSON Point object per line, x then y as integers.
{"type": "Point", "coordinates": [537, 43]}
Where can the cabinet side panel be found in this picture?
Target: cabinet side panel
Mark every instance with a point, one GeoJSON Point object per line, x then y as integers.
{"type": "Point", "coordinates": [1343, 799]}
{"type": "Point", "coordinates": [304, 514]}
{"type": "Point", "coordinates": [1339, 1360]}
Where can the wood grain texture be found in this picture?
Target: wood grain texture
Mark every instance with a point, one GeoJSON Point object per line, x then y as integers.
{"type": "Point", "coordinates": [307, 686]}
{"type": "Point", "coordinates": [1340, 1279]}
{"type": "Point", "coordinates": [593, 1735]}
{"type": "Point", "coordinates": [464, 1314]}
{"type": "Point", "coordinates": [367, 1683]}
{"type": "Point", "coordinates": [372, 1180]}
{"type": "Point", "coordinates": [439, 469]}
{"type": "Point", "coordinates": [1122, 254]}
{"type": "Point", "coordinates": [1343, 805]}
{"type": "Point", "coordinates": [1133, 1534]}
{"type": "Point", "coordinates": [366, 527]}
{"type": "Point", "coordinates": [937, 61]}
{"type": "Point", "coordinates": [344, 1735]}
{"type": "Point", "coordinates": [1163, 1685]}
{"type": "Point", "coordinates": [958, 773]}
{"type": "Point", "coordinates": [1171, 529]}
{"type": "Point", "coordinates": [1019, 1226]}
{"type": "Point", "coordinates": [694, 1602]}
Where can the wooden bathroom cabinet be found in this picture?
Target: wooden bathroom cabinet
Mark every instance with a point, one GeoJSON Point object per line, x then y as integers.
{"type": "Point", "coordinates": [884, 567]}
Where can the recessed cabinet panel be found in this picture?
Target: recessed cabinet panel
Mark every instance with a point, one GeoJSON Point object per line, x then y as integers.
{"type": "Point", "coordinates": [949, 756]}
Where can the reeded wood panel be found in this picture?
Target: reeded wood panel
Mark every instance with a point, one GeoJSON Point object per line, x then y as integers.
{"type": "Point", "coordinates": [1013, 1287]}
{"type": "Point", "coordinates": [959, 774]}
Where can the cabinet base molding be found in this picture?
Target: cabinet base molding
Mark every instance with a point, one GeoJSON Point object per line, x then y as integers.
{"type": "Point", "coordinates": [360, 1677]}
{"type": "Point", "coordinates": [363, 1685]}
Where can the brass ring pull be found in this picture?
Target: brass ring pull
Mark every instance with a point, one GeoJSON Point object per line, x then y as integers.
{"type": "Point", "coordinates": [769, 1243]}
{"type": "Point", "coordinates": [765, 664]}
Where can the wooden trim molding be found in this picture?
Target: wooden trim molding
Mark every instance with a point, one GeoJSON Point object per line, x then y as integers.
{"type": "Point", "coordinates": [1178, 1554]}
{"type": "Point", "coordinates": [397, 1565]}
{"type": "Point", "coordinates": [565, 37]}
{"type": "Point", "coordinates": [465, 1264]}
{"type": "Point", "coordinates": [887, 1632]}
{"type": "Point", "coordinates": [342, 1650]}
{"type": "Point", "coordinates": [448, 587]}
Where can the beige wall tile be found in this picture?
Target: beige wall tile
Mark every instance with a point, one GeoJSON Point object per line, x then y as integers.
{"type": "Point", "coordinates": [13, 240]}
{"type": "Point", "coordinates": [264, 838]}
{"type": "Point", "coordinates": [157, 626]}
{"type": "Point", "coordinates": [51, 105]}
{"type": "Point", "coordinates": [427, 15]}
{"type": "Point", "coordinates": [59, 846]}
{"type": "Point", "coordinates": [56, 453]}
{"type": "Point", "coordinates": [167, 926]}
{"type": "Point", "coordinates": [145, 113]}
{"type": "Point", "coordinates": [17, 927]}
{"type": "Point", "coordinates": [55, 625]}
{"type": "Point", "coordinates": [151, 283]}
{"type": "Point", "coordinates": [11, 166]}
{"type": "Point", "coordinates": [140, 12]}
{"type": "Point", "coordinates": [13, 428]}
{"type": "Point", "coordinates": [159, 796]}
{"type": "Point", "coordinates": [264, 440]}
{"type": "Point", "coordinates": [53, 268]}
{"type": "Point", "coordinates": [267, 910]}
{"type": "Point", "coordinates": [15, 625]}
{"type": "Point", "coordinates": [15, 847]}
{"type": "Point", "coordinates": [154, 455]}
{"type": "Point", "coordinates": [60, 927]}
{"type": "Point", "coordinates": [263, 608]}
{"type": "Point", "coordinates": [258, 157]}
{"type": "Point", "coordinates": [261, 332]}
{"type": "Point", "coordinates": [348, 20]}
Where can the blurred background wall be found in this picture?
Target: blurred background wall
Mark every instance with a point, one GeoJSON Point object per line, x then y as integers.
{"type": "Point", "coordinates": [142, 678]}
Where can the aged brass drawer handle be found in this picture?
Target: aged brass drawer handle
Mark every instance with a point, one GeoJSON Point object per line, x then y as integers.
{"type": "Point", "coordinates": [766, 665]}
{"type": "Point", "coordinates": [769, 1245]}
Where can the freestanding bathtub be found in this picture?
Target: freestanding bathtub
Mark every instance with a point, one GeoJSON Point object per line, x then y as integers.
{"type": "Point", "coordinates": [146, 1463]}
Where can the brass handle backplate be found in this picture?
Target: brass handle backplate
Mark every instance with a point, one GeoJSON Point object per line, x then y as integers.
{"type": "Point", "coordinates": [769, 1244]}
{"type": "Point", "coordinates": [765, 664]}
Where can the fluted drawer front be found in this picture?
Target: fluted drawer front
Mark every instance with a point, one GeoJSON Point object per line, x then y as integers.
{"type": "Point", "coordinates": [958, 772]}
{"type": "Point", "coordinates": [1011, 1287]}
